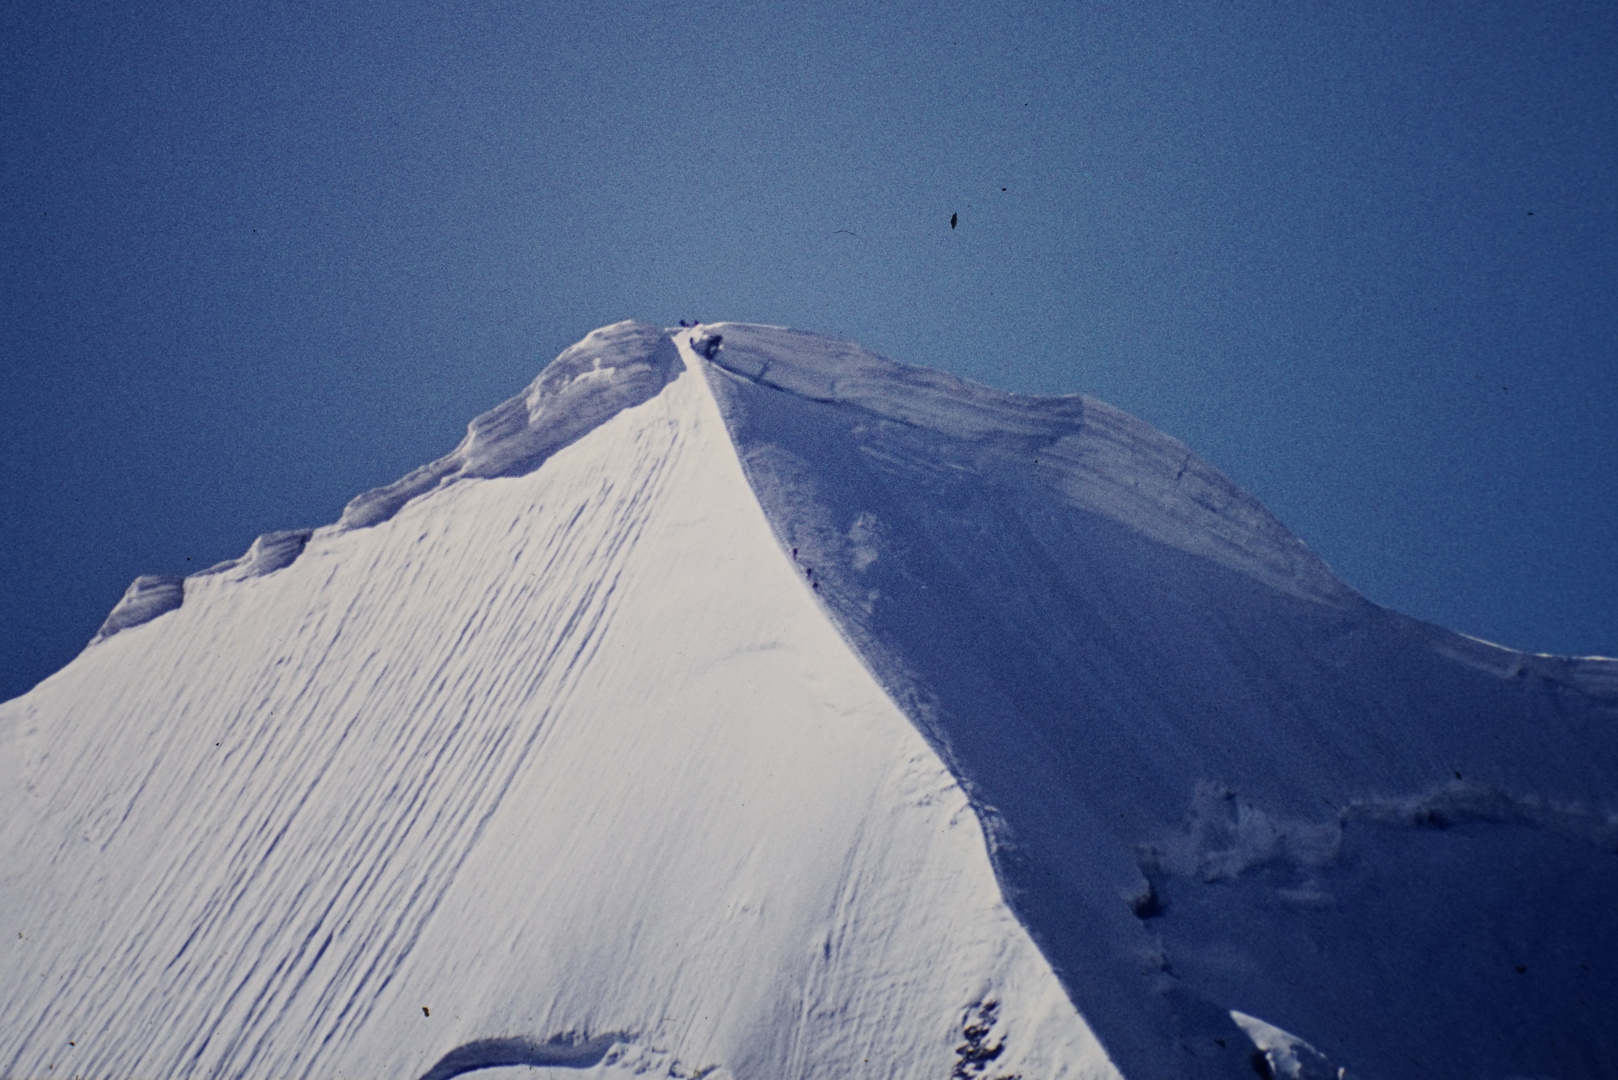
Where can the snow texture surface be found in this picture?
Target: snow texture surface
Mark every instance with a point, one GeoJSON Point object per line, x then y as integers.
{"type": "Point", "coordinates": [1215, 777]}
{"type": "Point", "coordinates": [566, 768]}
{"type": "Point", "coordinates": [737, 703]}
{"type": "Point", "coordinates": [147, 597]}
{"type": "Point", "coordinates": [612, 369]}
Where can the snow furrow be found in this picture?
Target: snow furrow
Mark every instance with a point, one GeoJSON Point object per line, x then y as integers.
{"type": "Point", "coordinates": [559, 753]}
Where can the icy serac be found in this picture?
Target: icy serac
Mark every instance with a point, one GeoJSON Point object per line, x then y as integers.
{"type": "Point", "coordinates": [735, 702]}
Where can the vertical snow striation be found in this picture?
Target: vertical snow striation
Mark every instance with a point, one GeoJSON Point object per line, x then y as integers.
{"type": "Point", "coordinates": [1215, 778]}
{"type": "Point", "coordinates": [560, 766]}
{"type": "Point", "coordinates": [548, 755]}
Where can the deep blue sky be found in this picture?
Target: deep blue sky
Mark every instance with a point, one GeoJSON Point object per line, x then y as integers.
{"type": "Point", "coordinates": [1362, 257]}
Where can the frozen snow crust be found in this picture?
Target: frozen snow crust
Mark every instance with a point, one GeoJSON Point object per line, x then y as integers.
{"type": "Point", "coordinates": [1215, 778]}
{"type": "Point", "coordinates": [738, 703]}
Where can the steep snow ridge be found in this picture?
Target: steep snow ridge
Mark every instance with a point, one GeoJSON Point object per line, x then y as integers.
{"type": "Point", "coordinates": [1089, 453]}
{"type": "Point", "coordinates": [548, 757]}
{"type": "Point", "coordinates": [151, 595]}
{"type": "Point", "coordinates": [558, 768]}
{"type": "Point", "coordinates": [1209, 791]}
{"type": "Point", "coordinates": [267, 554]}
{"type": "Point", "coordinates": [1594, 675]}
{"type": "Point", "coordinates": [612, 369]}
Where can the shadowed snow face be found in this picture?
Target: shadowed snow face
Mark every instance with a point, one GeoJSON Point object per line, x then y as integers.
{"type": "Point", "coordinates": [1214, 777]}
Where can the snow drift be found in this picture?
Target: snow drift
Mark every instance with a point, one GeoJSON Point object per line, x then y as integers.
{"type": "Point", "coordinates": [734, 702]}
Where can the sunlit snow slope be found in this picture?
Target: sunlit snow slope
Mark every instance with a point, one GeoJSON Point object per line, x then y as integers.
{"type": "Point", "coordinates": [736, 702]}
{"type": "Point", "coordinates": [1242, 809]}
{"type": "Point", "coordinates": [546, 755]}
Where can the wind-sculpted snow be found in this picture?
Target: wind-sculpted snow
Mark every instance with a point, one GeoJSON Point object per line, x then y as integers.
{"type": "Point", "coordinates": [503, 1053]}
{"type": "Point", "coordinates": [152, 595]}
{"type": "Point", "coordinates": [614, 368]}
{"type": "Point", "coordinates": [1281, 1054]}
{"type": "Point", "coordinates": [1213, 778]}
{"type": "Point", "coordinates": [267, 554]}
{"type": "Point", "coordinates": [1596, 676]}
{"type": "Point", "coordinates": [1076, 449]}
{"type": "Point", "coordinates": [147, 597]}
{"type": "Point", "coordinates": [737, 704]}
{"type": "Point", "coordinates": [561, 770]}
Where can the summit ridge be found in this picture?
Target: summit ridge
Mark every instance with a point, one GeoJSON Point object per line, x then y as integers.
{"type": "Point", "coordinates": [734, 702]}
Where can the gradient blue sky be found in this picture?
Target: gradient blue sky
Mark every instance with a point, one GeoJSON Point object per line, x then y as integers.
{"type": "Point", "coordinates": [1360, 256]}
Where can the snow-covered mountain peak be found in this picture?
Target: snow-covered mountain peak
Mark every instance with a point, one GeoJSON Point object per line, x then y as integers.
{"type": "Point", "coordinates": [1075, 447]}
{"type": "Point", "coordinates": [735, 703]}
{"type": "Point", "coordinates": [556, 763]}
{"type": "Point", "coordinates": [1081, 450]}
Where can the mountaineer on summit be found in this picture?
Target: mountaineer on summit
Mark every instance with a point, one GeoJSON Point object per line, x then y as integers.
{"type": "Point", "coordinates": [706, 344]}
